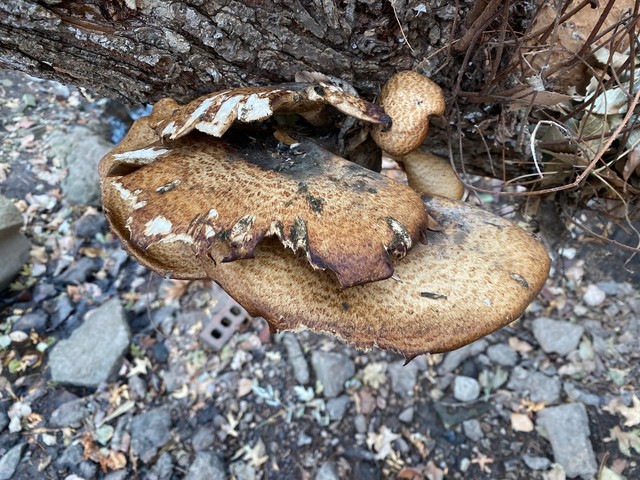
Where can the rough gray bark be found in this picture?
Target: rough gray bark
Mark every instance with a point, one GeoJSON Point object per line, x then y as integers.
{"type": "Point", "coordinates": [143, 50]}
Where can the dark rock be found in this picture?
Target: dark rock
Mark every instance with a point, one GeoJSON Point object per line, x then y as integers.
{"type": "Point", "coordinates": [332, 370]}
{"type": "Point", "coordinates": [121, 474]}
{"type": "Point", "coordinates": [163, 468]}
{"type": "Point", "coordinates": [69, 414]}
{"type": "Point", "coordinates": [160, 353]}
{"type": "Point", "coordinates": [327, 471]}
{"type": "Point", "coordinates": [94, 350]}
{"type": "Point", "coordinates": [337, 407]}
{"type": "Point", "coordinates": [15, 252]}
{"type": "Point", "coordinates": [71, 457]}
{"type": "Point", "coordinates": [203, 438]}
{"type": "Point", "coordinates": [61, 309]}
{"type": "Point", "coordinates": [36, 321]}
{"type": "Point", "coordinates": [537, 386]}
{"type": "Point", "coordinates": [43, 291]}
{"type": "Point", "coordinates": [79, 272]}
{"type": "Point", "coordinates": [137, 387]}
{"type": "Point", "coordinates": [149, 432]}
{"type": "Point", "coordinates": [296, 358]}
{"type": "Point", "coordinates": [367, 471]}
{"type": "Point", "coordinates": [206, 466]}
{"type": "Point", "coordinates": [452, 360]}
{"type": "Point", "coordinates": [403, 378]}
{"type": "Point", "coordinates": [10, 460]}
{"type": "Point", "coordinates": [567, 428]}
{"type": "Point", "coordinates": [89, 226]}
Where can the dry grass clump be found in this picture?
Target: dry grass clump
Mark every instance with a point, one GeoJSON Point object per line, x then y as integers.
{"type": "Point", "coordinates": [557, 101]}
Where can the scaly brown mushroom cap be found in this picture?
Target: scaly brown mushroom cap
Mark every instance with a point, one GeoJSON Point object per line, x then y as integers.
{"type": "Point", "coordinates": [409, 99]}
{"type": "Point", "coordinates": [219, 199]}
{"type": "Point", "coordinates": [429, 174]}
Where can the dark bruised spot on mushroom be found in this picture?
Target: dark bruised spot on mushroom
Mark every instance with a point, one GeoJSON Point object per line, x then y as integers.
{"type": "Point", "coordinates": [433, 296]}
{"type": "Point", "coordinates": [520, 279]}
{"type": "Point", "coordinates": [167, 187]}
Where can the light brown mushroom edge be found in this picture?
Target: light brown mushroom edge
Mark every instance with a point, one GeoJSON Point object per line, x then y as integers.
{"type": "Point", "coordinates": [477, 273]}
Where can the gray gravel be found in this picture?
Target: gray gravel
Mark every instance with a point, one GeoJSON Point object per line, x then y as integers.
{"type": "Point", "coordinates": [403, 377]}
{"type": "Point", "coordinates": [149, 432]}
{"type": "Point", "coordinates": [466, 389]}
{"type": "Point", "coordinates": [10, 460]}
{"type": "Point", "coordinates": [502, 354]}
{"type": "Point", "coordinates": [296, 358]}
{"type": "Point", "coordinates": [94, 350]}
{"type": "Point", "coordinates": [567, 428]}
{"type": "Point", "coordinates": [337, 407]}
{"type": "Point", "coordinates": [472, 429]}
{"type": "Point", "coordinates": [537, 386]}
{"type": "Point", "coordinates": [206, 466]}
{"type": "Point", "coordinates": [327, 471]}
{"type": "Point", "coordinates": [332, 370]}
{"type": "Point", "coordinates": [557, 336]}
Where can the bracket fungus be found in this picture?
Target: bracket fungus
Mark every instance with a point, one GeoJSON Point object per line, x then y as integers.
{"type": "Point", "coordinates": [224, 201]}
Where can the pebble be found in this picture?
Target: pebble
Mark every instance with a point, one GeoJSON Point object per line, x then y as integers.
{"type": "Point", "coordinates": [609, 287]}
{"type": "Point", "coordinates": [4, 418]}
{"type": "Point", "coordinates": [71, 457]}
{"type": "Point", "coordinates": [42, 291]}
{"type": "Point", "coordinates": [88, 226]}
{"type": "Point", "coordinates": [567, 428]}
{"type": "Point", "coordinates": [465, 389]}
{"type": "Point", "coordinates": [163, 468]}
{"type": "Point", "coordinates": [78, 272]}
{"type": "Point", "coordinates": [150, 431]}
{"type": "Point", "coordinates": [203, 438]}
{"type": "Point", "coordinates": [206, 466]}
{"type": "Point", "coordinates": [452, 360]}
{"type": "Point", "coordinates": [472, 429]}
{"type": "Point", "coordinates": [557, 336]}
{"type": "Point", "coordinates": [94, 350]}
{"type": "Point", "coordinates": [406, 416]}
{"type": "Point", "coordinates": [10, 460]}
{"type": "Point", "coordinates": [502, 354]}
{"type": "Point", "coordinates": [69, 414]}
{"type": "Point", "coordinates": [332, 370]}
{"type": "Point", "coordinates": [594, 296]}
{"type": "Point", "coordinates": [61, 310]}
{"type": "Point", "coordinates": [242, 471]}
{"type": "Point", "coordinates": [14, 245]}
{"type": "Point", "coordinates": [327, 471]}
{"type": "Point", "coordinates": [537, 386]}
{"type": "Point", "coordinates": [36, 321]}
{"type": "Point", "coordinates": [79, 150]}
{"type": "Point", "coordinates": [337, 407]}
{"type": "Point", "coordinates": [577, 395]}
{"type": "Point", "coordinates": [403, 378]}
{"type": "Point", "coordinates": [536, 463]}
{"type": "Point", "coordinates": [360, 422]}
{"type": "Point", "coordinates": [137, 387]}
{"type": "Point", "coordinates": [121, 474]}
{"type": "Point", "coordinates": [296, 358]}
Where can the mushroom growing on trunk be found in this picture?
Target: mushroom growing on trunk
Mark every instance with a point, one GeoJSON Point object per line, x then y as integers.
{"type": "Point", "coordinates": [221, 206]}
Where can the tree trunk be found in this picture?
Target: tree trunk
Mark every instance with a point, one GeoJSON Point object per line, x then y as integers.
{"type": "Point", "coordinates": [143, 50]}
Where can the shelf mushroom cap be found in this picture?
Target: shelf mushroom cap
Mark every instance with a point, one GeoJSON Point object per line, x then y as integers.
{"type": "Point", "coordinates": [219, 198]}
{"type": "Point", "coordinates": [409, 98]}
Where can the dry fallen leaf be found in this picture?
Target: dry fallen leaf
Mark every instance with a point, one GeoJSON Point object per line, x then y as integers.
{"type": "Point", "coordinates": [380, 442]}
{"type": "Point", "coordinates": [374, 374]}
{"type": "Point", "coordinates": [626, 440]}
{"type": "Point", "coordinates": [631, 414]}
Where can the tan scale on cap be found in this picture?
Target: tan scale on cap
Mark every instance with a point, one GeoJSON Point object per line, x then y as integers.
{"type": "Point", "coordinates": [221, 198]}
{"type": "Point", "coordinates": [409, 98]}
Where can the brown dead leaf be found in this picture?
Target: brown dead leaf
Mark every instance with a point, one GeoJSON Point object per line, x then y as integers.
{"type": "Point", "coordinates": [244, 387]}
{"type": "Point", "coordinates": [519, 345]}
{"type": "Point", "coordinates": [631, 165]}
{"type": "Point", "coordinates": [108, 460]}
{"type": "Point", "coordinates": [175, 290]}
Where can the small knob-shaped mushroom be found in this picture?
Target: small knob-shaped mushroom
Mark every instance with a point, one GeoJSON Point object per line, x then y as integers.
{"type": "Point", "coordinates": [429, 174]}
{"type": "Point", "coordinates": [409, 98]}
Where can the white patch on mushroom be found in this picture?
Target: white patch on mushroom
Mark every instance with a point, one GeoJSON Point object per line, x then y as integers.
{"type": "Point", "coordinates": [177, 237]}
{"type": "Point", "coordinates": [225, 116]}
{"type": "Point", "coordinates": [129, 196]}
{"type": "Point", "coordinates": [255, 108]}
{"type": "Point", "coordinates": [487, 302]}
{"type": "Point", "coordinates": [213, 213]}
{"type": "Point", "coordinates": [195, 115]}
{"type": "Point", "coordinates": [142, 154]}
{"type": "Point", "coordinates": [209, 232]}
{"type": "Point", "coordinates": [168, 129]}
{"type": "Point", "coordinates": [400, 232]}
{"type": "Point", "coordinates": [158, 226]}
{"type": "Point", "coordinates": [240, 231]}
